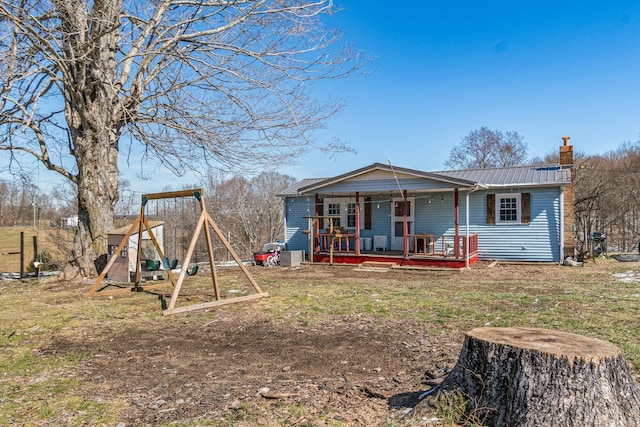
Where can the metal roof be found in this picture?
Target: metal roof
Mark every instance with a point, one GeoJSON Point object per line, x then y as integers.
{"type": "Point", "coordinates": [293, 190]}
{"type": "Point", "coordinates": [515, 176]}
{"type": "Point", "coordinates": [495, 177]}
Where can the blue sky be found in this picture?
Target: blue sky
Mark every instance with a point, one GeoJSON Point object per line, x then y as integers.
{"type": "Point", "coordinates": [441, 69]}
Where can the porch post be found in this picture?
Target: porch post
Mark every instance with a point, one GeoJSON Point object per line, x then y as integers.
{"type": "Point", "coordinates": [311, 239]}
{"type": "Point", "coordinates": [357, 223]}
{"type": "Point", "coordinates": [405, 224]}
{"type": "Point", "coordinates": [456, 244]}
{"type": "Point", "coordinates": [466, 256]}
{"type": "Point", "coordinates": [316, 231]}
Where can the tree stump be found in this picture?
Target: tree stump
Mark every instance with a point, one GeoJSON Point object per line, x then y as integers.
{"type": "Point", "coordinates": [538, 377]}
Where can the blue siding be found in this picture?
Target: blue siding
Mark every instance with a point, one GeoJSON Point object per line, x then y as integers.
{"type": "Point", "coordinates": [434, 213]}
{"type": "Point", "coordinates": [537, 241]}
{"type": "Point", "coordinates": [380, 220]}
{"type": "Point", "coordinates": [296, 208]}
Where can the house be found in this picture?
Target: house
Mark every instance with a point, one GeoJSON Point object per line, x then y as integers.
{"type": "Point", "coordinates": [449, 218]}
{"type": "Point", "coordinates": [124, 266]}
{"type": "Point", "coordinates": [69, 222]}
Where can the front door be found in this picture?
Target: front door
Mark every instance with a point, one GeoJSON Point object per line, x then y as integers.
{"type": "Point", "coordinates": [397, 223]}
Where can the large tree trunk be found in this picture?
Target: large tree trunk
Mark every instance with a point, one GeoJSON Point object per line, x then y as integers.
{"type": "Point", "coordinates": [95, 123]}
{"type": "Point", "coordinates": [536, 377]}
{"type": "Point", "coordinates": [98, 175]}
{"type": "Point", "coordinates": [97, 196]}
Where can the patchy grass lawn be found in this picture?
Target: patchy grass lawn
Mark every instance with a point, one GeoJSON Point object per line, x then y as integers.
{"type": "Point", "coordinates": [52, 242]}
{"type": "Point", "coordinates": [345, 344]}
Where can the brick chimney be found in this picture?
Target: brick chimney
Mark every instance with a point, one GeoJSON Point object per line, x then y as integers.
{"type": "Point", "coordinates": [566, 152]}
{"type": "Point", "coordinates": [569, 233]}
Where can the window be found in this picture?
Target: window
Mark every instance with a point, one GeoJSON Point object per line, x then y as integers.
{"type": "Point", "coordinates": [123, 252]}
{"type": "Point", "coordinates": [367, 213]}
{"type": "Point", "coordinates": [333, 209]}
{"type": "Point", "coordinates": [508, 209]}
{"type": "Point", "coordinates": [398, 208]}
{"type": "Point", "coordinates": [345, 210]}
{"type": "Point", "coordinates": [351, 215]}
{"type": "Point", "coordinates": [399, 228]}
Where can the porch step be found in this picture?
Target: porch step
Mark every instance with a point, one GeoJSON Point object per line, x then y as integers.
{"type": "Point", "coordinates": [379, 264]}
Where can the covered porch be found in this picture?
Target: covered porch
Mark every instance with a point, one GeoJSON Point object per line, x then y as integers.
{"type": "Point", "coordinates": [438, 254]}
{"type": "Point", "coordinates": [355, 237]}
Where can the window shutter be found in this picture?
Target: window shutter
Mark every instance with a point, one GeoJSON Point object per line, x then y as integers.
{"type": "Point", "coordinates": [525, 214]}
{"type": "Point", "coordinates": [367, 213]}
{"type": "Point", "coordinates": [320, 212]}
{"type": "Point", "coordinates": [491, 208]}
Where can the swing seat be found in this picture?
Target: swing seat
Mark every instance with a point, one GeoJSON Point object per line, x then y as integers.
{"type": "Point", "coordinates": [152, 265]}
{"type": "Point", "coordinates": [169, 265]}
{"type": "Point", "coordinates": [193, 272]}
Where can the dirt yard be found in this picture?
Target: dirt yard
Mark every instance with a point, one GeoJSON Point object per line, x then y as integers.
{"type": "Point", "coordinates": [258, 364]}
{"type": "Point", "coordinates": [247, 368]}
{"type": "Point", "coordinates": [251, 371]}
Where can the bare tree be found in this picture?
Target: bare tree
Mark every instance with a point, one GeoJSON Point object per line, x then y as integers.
{"type": "Point", "coordinates": [553, 158]}
{"type": "Point", "coordinates": [191, 82]}
{"type": "Point", "coordinates": [607, 197]}
{"type": "Point", "coordinates": [624, 211]}
{"type": "Point", "coordinates": [128, 204]}
{"type": "Point", "coordinates": [591, 186]}
{"type": "Point", "coordinates": [266, 188]}
{"type": "Point", "coordinates": [249, 211]}
{"type": "Point", "coordinates": [485, 148]}
{"type": "Point", "coordinates": [4, 205]}
{"type": "Point", "coordinates": [235, 197]}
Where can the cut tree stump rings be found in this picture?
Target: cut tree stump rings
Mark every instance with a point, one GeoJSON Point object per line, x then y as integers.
{"type": "Point", "coordinates": [538, 377]}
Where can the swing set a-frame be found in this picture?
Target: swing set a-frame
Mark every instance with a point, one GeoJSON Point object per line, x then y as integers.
{"type": "Point", "coordinates": [206, 223]}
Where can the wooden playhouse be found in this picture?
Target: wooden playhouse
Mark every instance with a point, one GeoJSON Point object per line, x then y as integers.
{"type": "Point", "coordinates": [124, 267]}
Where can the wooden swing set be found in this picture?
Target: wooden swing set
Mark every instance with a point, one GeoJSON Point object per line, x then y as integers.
{"type": "Point", "coordinates": [334, 234]}
{"type": "Point", "coordinates": [204, 222]}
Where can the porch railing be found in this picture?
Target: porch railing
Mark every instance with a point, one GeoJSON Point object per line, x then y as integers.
{"type": "Point", "coordinates": [341, 242]}
{"type": "Point", "coordinates": [444, 245]}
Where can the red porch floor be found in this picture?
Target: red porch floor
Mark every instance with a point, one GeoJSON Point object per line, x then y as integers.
{"type": "Point", "coordinates": [395, 257]}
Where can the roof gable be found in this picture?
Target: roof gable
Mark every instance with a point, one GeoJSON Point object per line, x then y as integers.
{"type": "Point", "coordinates": [549, 175]}
{"type": "Point", "coordinates": [381, 171]}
